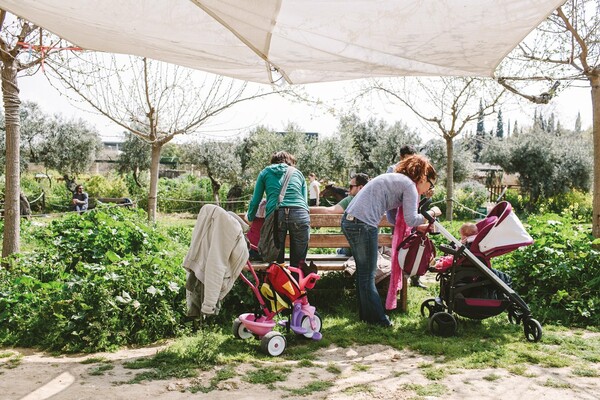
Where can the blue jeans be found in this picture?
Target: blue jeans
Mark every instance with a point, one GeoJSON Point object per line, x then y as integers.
{"type": "Point", "coordinates": [363, 242]}
{"type": "Point", "coordinates": [296, 222]}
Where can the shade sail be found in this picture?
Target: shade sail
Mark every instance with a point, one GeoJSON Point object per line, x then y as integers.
{"type": "Point", "coordinates": [303, 41]}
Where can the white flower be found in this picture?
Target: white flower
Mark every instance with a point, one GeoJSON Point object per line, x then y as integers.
{"type": "Point", "coordinates": [173, 287]}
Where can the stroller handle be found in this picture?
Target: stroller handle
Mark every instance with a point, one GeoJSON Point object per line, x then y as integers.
{"type": "Point", "coordinates": [424, 207]}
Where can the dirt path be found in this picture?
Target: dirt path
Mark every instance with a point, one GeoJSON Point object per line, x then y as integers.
{"type": "Point", "coordinates": [365, 372]}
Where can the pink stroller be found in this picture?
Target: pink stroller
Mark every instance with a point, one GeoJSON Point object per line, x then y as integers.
{"type": "Point", "coordinates": [470, 287]}
{"type": "Point", "coordinates": [280, 293]}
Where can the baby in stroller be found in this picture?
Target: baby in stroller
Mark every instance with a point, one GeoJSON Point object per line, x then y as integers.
{"type": "Point", "coordinates": [468, 233]}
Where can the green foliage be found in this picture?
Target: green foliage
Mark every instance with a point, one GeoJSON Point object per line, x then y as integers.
{"type": "Point", "coordinates": [218, 160]}
{"type": "Point", "coordinates": [77, 142]}
{"type": "Point", "coordinates": [105, 279]}
{"type": "Point", "coordinates": [548, 164]}
{"type": "Point", "coordinates": [472, 195]}
{"type": "Point", "coordinates": [174, 195]}
{"type": "Point", "coordinates": [559, 275]}
{"type": "Point", "coordinates": [135, 155]}
{"type": "Point", "coordinates": [106, 186]}
{"type": "Point", "coordinates": [463, 165]}
{"type": "Point", "coordinates": [575, 204]}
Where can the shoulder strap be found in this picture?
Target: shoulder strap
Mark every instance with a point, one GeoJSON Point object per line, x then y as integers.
{"type": "Point", "coordinates": [286, 180]}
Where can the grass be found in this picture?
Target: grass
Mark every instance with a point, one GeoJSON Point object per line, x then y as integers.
{"type": "Point", "coordinates": [491, 343]}
{"type": "Point", "coordinates": [10, 359]}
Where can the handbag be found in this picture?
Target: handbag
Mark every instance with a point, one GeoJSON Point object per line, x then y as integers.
{"type": "Point", "coordinates": [415, 253]}
{"type": "Point", "coordinates": [268, 244]}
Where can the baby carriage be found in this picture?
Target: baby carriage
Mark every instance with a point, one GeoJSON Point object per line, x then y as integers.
{"type": "Point", "coordinates": [280, 292]}
{"type": "Point", "coordinates": [470, 287]}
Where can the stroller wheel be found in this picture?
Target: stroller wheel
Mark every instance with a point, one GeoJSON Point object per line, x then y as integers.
{"type": "Point", "coordinates": [514, 316]}
{"type": "Point", "coordinates": [240, 331]}
{"type": "Point", "coordinates": [306, 325]}
{"type": "Point", "coordinates": [273, 343]}
{"type": "Point", "coordinates": [532, 329]}
{"type": "Point", "coordinates": [432, 306]}
{"type": "Point", "coordinates": [442, 324]}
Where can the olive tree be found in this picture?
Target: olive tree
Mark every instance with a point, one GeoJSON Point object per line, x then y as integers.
{"type": "Point", "coordinates": [217, 159]}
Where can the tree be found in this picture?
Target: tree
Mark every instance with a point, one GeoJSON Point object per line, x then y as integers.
{"type": "Point", "coordinates": [218, 160]}
{"type": "Point", "coordinates": [547, 164]}
{"type": "Point", "coordinates": [566, 47]}
{"type": "Point", "coordinates": [361, 137]}
{"type": "Point", "coordinates": [463, 166]}
{"type": "Point", "coordinates": [578, 123]}
{"type": "Point", "coordinates": [448, 105]}
{"type": "Point", "coordinates": [387, 147]}
{"type": "Point", "coordinates": [17, 38]}
{"type": "Point", "coordinates": [150, 99]}
{"type": "Point", "coordinates": [500, 126]}
{"type": "Point", "coordinates": [135, 157]}
{"type": "Point", "coordinates": [480, 133]}
{"type": "Point", "coordinates": [70, 147]}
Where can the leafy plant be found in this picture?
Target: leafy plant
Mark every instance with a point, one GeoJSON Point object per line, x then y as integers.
{"type": "Point", "coordinates": [559, 275]}
{"type": "Point", "coordinates": [104, 279]}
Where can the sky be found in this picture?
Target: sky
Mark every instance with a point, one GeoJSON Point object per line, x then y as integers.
{"type": "Point", "coordinates": [276, 113]}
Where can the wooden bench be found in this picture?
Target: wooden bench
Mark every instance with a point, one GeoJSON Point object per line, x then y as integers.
{"type": "Point", "coordinates": [333, 240]}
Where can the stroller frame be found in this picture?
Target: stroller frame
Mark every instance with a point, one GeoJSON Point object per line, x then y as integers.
{"type": "Point", "coordinates": [440, 310]}
{"type": "Point", "coordinates": [303, 319]}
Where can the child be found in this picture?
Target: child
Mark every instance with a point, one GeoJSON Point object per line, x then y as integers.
{"type": "Point", "coordinates": [468, 232]}
{"type": "Point", "coordinates": [253, 234]}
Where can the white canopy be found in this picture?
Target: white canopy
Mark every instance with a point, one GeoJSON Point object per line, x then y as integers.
{"type": "Point", "coordinates": [305, 41]}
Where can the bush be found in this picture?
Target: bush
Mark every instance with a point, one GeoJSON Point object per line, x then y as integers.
{"type": "Point", "coordinates": [575, 204]}
{"type": "Point", "coordinates": [104, 280]}
{"type": "Point", "coordinates": [102, 186]}
{"type": "Point", "coordinates": [559, 275]}
{"type": "Point", "coordinates": [470, 195]}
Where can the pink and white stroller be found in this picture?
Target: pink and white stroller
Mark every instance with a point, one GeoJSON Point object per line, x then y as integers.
{"type": "Point", "coordinates": [470, 287]}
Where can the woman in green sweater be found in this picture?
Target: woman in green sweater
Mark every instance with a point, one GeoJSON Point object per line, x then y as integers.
{"type": "Point", "coordinates": [293, 217]}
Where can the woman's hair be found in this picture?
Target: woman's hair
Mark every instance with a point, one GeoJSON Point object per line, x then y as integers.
{"type": "Point", "coordinates": [416, 167]}
{"type": "Point", "coordinates": [283, 157]}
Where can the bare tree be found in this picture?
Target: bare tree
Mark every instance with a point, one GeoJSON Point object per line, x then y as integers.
{"type": "Point", "coordinates": [153, 100]}
{"type": "Point", "coordinates": [446, 104]}
{"type": "Point", "coordinates": [17, 38]}
{"type": "Point", "coordinates": [566, 47]}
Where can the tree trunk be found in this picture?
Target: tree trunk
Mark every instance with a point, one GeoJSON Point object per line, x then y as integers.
{"type": "Point", "coordinates": [216, 186]}
{"type": "Point", "coordinates": [595, 84]}
{"type": "Point", "coordinates": [153, 192]}
{"type": "Point", "coordinates": [10, 94]}
{"type": "Point", "coordinates": [449, 177]}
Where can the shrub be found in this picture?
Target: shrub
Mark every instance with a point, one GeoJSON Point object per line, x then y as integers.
{"type": "Point", "coordinates": [104, 280]}
{"type": "Point", "coordinates": [559, 275]}
{"type": "Point", "coordinates": [575, 203]}
{"type": "Point", "coordinates": [102, 186]}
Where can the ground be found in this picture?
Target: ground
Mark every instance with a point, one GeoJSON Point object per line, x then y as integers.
{"type": "Point", "coordinates": [364, 372]}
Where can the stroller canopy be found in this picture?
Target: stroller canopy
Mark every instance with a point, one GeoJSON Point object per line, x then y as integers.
{"type": "Point", "coordinates": [500, 232]}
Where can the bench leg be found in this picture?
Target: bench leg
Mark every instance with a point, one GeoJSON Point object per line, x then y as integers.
{"type": "Point", "coordinates": [403, 294]}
